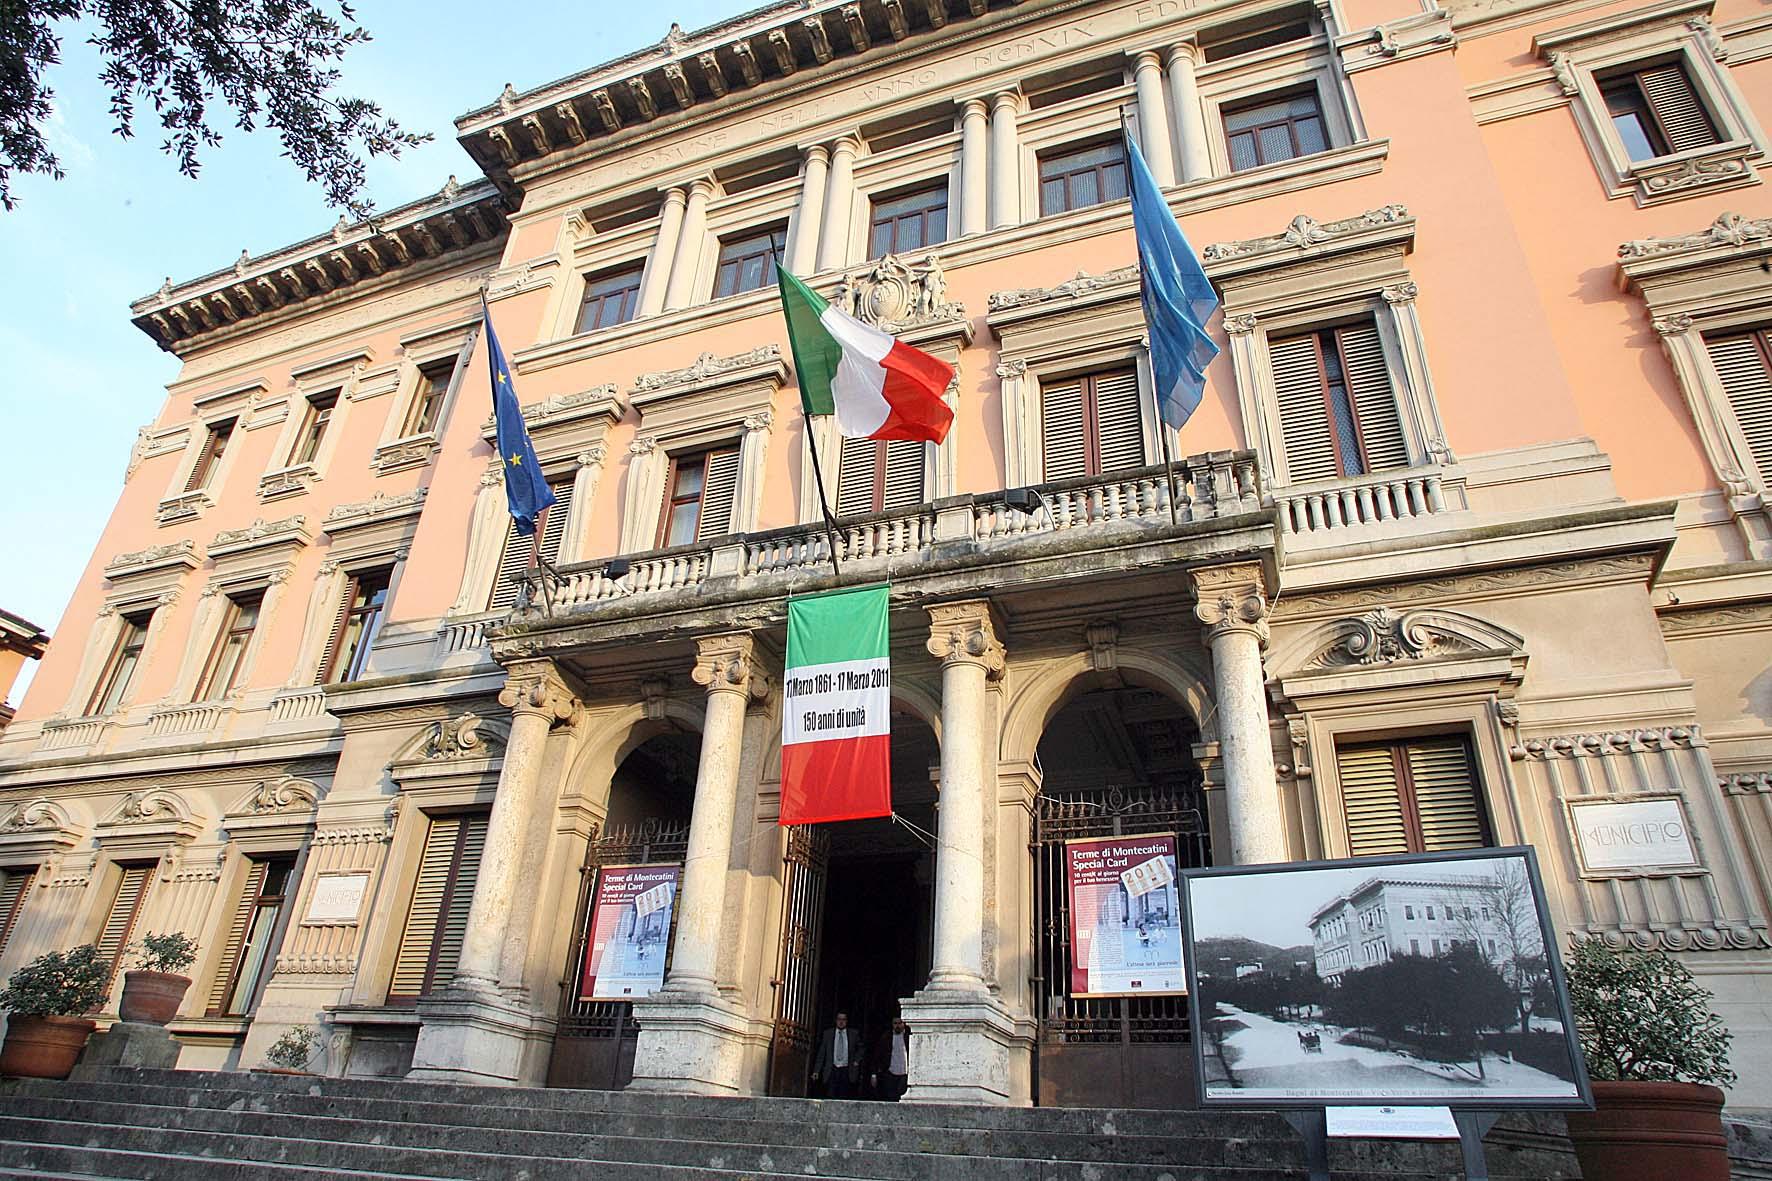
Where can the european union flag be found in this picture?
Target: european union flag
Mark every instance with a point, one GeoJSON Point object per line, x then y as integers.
{"type": "Point", "coordinates": [526, 491]}
{"type": "Point", "coordinates": [1178, 298]}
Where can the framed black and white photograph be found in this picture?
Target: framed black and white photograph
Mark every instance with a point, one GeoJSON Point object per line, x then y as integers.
{"type": "Point", "coordinates": [1417, 979]}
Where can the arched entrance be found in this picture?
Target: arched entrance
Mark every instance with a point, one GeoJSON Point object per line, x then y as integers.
{"type": "Point", "coordinates": [857, 915]}
{"type": "Point", "coordinates": [651, 795]}
{"type": "Point", "coordinates": [1114, 762]}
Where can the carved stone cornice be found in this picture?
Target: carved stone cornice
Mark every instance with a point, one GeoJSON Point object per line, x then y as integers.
{"type": "Point", "coordinates": [1384, 635]}
{"type": "Point", "coordinates": [1070, 290]}
{"type": "Point", "coordinates": [1614, 742]}
{"type": "Point", "coordinates": [1307, 235]}
{"type": "Point", "coordinates": [729, 664]}
{"type": "Point", "coordinates": [603, 401]}
{"type": "Point", "coordinates": [894, 295]}
{"type": "Point", "coordinates": [966, 633]}
{"type": "Point", "coordinates": [1230, 599]}
{"type": "Point", "coordinates": [707, 368]}
{"type": "Point", "coordinates": [1730, 233]}
{"type": "Point", "coordinates": [536, 687]}
{"type": "Point", "coordinates": [281, 796]}
{"type": "Point", "coordinates": [261, 534]}
{"type": "Point", "coordinates": [157, 557]}
{"type": "Point", "coordinates": [379, 507]}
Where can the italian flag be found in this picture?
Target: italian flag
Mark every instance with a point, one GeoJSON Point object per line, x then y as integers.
{"type": "Point", "coordinates": [836, 702]}
{"type": "Point", "coordinates": [877, 386]}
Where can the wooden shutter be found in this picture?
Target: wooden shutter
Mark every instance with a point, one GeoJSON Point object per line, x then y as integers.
{"type": "Point", "coordinates": [1444, 785]}
{"type": "Point", "coordinates": [1304, 421]}
{"type": "Point", "coordinates": [1063, 444]}
{"type": "Point", "coordinates": [1119, 428]}
{"type": "Point", "coordinates": [323, 674]}
{"type": "Point", "coordinates": [229, 963]}
{"type": "Point", "coordinates": [857, 472]}
{"type": "Point", "coordinates": [1372, 801]}
{"type": "Point", "coordinates": [1682, 117]}
{"type": "Point", "coordinates": [514, 559]}
{"type": "Point", "coordinates": [1741, 365]}
{"type": "Point", "coordinates": [1375, 403]}
{"type": "Point", "coordinates": [905, 463]}
{"type": "Point", "coordinates": [126, 905]}
{"type": "Point", "coordinates": [437, 920]}
{"type": "Point", "coordinates": [718, 491]}
{"type": "Point", "coordinates": [15, 887]}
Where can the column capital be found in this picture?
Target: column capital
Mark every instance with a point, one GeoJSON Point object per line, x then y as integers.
{"type": "Point", "coordinates": [677, 195]}
{"type": "Point", "coordinates": [728, 664]}
{"type": "Point", "coordinates": [1230, 599]}
{"type": "Point", "coordinates": [1145, 59]}
{"type": "Point", "coordinates": [966, 633]}
{"type": "Point", "coordinates": [536, 687]}
{"type": "Point", "coordinates": [849, 142]}
{"type": "Point", "coordinates": [1187, 51]}
{"type": "Point", "coordinates": [816, 152]}
{"type": "Point", "coordinates": [973, 106]}
{"type": "Point", "coordinates": [1007, 98]}
{"type": "Point", "coordinates": [703, 185]}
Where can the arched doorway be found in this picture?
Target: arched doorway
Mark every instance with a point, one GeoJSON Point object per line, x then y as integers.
{"type": "Point", "coordinates": [651, 795]}
{"type": "Point", "coordinates": [857, 914]}
{"type": "Point", "coordinates": [1115, 762]}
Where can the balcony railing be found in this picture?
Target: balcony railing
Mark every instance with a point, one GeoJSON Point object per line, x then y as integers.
{"type": "Point", "coordinates": [1204, 487]}
{"type": "Point", "coordinates": [1369, 500]}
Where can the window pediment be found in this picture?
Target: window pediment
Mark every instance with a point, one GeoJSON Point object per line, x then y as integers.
{"type": "Point", "coordinates": [260, 541]}
{"type": "Point", "coordinates": [170, 561]}
{"type": "Point", "coordinates": [713, 393]}
{"type": "Point", "coordinates": [1387, 638]}
{"type": "Point", "coordinates": [1342, 250]}
{"type": "Point", "coordinates": [1702, 272]}
{"type": "Point", "coordinates": [36, 830]}
{"type": "Point", "coordinates": [147, 817]}
{"type": "Point", "coordinates": [567, 423]}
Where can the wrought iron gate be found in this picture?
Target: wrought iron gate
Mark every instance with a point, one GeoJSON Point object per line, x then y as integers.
{"type": "Point", "coordinates": [796, 972]}
{"type": "Point", "coordinates": [594, 1043]}
{"type": "Point", "coordinates": [1108, 1051]}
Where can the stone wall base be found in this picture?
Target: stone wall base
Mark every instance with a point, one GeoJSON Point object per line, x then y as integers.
{"type": "Point", "coordinates": [690, 1044]}
{"type": "Point", "coordinates": [472, 1038]}
{"type": "Point", "coordinates": [967, 1048]}
{"type": "Point", "coordinates": [129, 1043]}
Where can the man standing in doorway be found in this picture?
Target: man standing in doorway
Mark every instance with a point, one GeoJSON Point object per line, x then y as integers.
{"type": "Point", "coordinates": [839, 1060]}
{"type": "Point", "coordinates": [895, 1051]}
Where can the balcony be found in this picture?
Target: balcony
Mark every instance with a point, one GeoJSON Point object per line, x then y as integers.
{"type": "Point", "coordinates": [1091, 529]}
{"type": "Point", "coordinates": [1377, 499]}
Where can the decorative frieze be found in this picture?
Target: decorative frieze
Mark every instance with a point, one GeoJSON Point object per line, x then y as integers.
{"type": "Point", "coordinates": [186, 506]}
{"type": "Point", "coordinates": [1385, 635]}
{"type": "Point", "coordinates": [379, 507]}
{"type": "Point", "coordinates": [707, 367]}
{"type": "Point", "coordinates": [1613, 742]}
{"type": "Point", "coordinates": [466, 736]}
{"type": "Point", "coordinates": [1071, 289]}
{"type": "Point", "coordinates": [1730, 230]}
{"type": "Point", "coordinates": [894, 295]}
{"type": "Point", "coordinates": [261, 534]}
{"type": "Point", "coordinates": [156, 557]}
{"type": "Point", "coordinates": [1306, 233]}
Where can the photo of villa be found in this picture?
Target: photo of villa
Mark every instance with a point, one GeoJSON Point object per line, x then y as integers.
{"type": "Point", "coordinates": [1426, 979]}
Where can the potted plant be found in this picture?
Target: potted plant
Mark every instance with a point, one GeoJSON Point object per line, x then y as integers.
{"type": "Point", "coordinates": [154, 991]}
{"type": "Point", "coordinates": [290, 1053]}
{"type": "Point", "coordinates": [47, 1000]}
{"type": "Point", "coordinates": [1658, 1057]}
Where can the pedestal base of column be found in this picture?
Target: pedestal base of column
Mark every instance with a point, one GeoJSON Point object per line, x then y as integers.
{"type": "Point", "coordinates": [690, 1043]}
{"type": "Point", "coordinates": [967, 1047]}
{"type": "Point", "coordinates": [474, 1037]}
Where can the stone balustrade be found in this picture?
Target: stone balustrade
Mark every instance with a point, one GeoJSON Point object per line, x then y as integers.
{"type": "Point", "coordinates": [199, 717]}
{"type": "Point", "coordinates": [1369, 500]}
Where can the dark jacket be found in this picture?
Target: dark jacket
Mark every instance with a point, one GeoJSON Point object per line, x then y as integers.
{"type": "Point", "coordinates": [827, 1052]}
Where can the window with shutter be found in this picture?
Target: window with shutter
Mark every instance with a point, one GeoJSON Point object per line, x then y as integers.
{"type": "Point", "coordinates": [252, 931]}
{"type": "Point", "coordinates": [1656, 111]}
{"type": "Point", "coordinates": [874, 475]}
{"type": "Point", "coordinates": [15, 887]}
{"type": "Point", "coordinates": [1416, 796]}
{"type": "Point", "coordinates": [1743, 362]}
{"type": "Point", "coordinates": [133, 882]}
{"type": "Point", "coordinates": [437, 920]}
{"type": "Point", "coordinates": [1338, 412]}
{"type": "Point", "coordinates": [1091, 425]}
{"type": "Point", "coordinates": [222, 670]}
{"type": "Point", "coordinates": [718, 496]}
{"type": "Point", "coordinates": [699, 493]}
{"type": "Point", "coordinates": [515, 557]}
{"type": "Point", "coordinates": [215, 442]}
{"type": "Point", "coordinates": [119, 670]}
{"type": "Point", "coordinates": [355, 626]}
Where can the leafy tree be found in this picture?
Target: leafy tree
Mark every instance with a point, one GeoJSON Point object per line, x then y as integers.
{"type": "Point", "coordinates": [1642, 1017]}
{"type": "Point", "coordinates": [58, 984]}
{"type": "Point", "coordinates": [268, 62]}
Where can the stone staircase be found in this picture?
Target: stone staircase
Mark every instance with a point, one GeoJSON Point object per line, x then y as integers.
{"type": "Point", "coordinates": [168, 1125]}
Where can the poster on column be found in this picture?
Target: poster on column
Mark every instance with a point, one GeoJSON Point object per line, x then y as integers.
{"type": "Point", "coordinates": [1125, 916]}
{"type": "Point", "coordinates": [629, 931]}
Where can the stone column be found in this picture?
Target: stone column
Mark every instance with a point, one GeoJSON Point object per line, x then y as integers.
{"type": "Point", "coordinates": [1232, 602]}
{"type": "Point", "coordinates": [803, 250]}
{"type": "Point", "coordinates": [477, 1031]}
{"type": "Point", "coordinates": [692, 1039]}
{"type": "Point", "coordinates": [687, 255]}
{"type": "Point", "coordinates": [974, 182]}
{"type": "Point", "coordinates": [664, 253]}
{"type": "Point", "coordinates": [833, 239]}
{"type": "Point", "coordinates": [1185, 111]}
{"type": "Point", "coordinates": [1153, 121]}
{"type": "Point", "coordinates": [1005, 161]}
{"type": "Point", "coordinates": [969, 1045]}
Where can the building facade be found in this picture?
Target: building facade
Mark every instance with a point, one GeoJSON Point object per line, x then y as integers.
{"type": "Point", "coordinates": [20, 640]}
{"type": "Point", "coordinates": [1384, 918]}
{"type": "Point", "coordinates": [1466, 543]}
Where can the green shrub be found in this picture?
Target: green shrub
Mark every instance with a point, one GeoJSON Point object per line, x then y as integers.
{"type": "Point", "coordinates": [59, 984]}
{"type": "Point", "coordinates": [1643, 1018]}
{"type": "Point", "coordinates": [293, 1050]}
{"type": "Point", "coordinates": [172, 952]}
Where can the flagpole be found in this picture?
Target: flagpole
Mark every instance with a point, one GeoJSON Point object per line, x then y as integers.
{"type": "Point", "coordinates": [824, 504]}
{"type": "Point", "coordinates": [1156, 395]}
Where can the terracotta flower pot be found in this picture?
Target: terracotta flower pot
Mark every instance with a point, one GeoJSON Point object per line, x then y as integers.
{"type": "Point", "coordinates": [44, 1047]}
{"type": "Point", "coordinates": [1652, 1132]}
{"type": "Point", "coordinates": [153, 997]}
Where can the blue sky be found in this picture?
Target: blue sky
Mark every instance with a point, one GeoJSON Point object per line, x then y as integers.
{"type": "Point", "coordinates": [75, 252]}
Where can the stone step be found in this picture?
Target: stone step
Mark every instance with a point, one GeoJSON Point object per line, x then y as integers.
{"type": "Point", "coordinates": [94, 1163]}
{"type": "Point", "coordinates": [371, 1159]}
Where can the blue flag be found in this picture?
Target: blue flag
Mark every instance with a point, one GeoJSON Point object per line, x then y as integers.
{"type": "Point", "coordinates": [1178, 298]}
{"type": "Point", "coordinates": [526, 491]}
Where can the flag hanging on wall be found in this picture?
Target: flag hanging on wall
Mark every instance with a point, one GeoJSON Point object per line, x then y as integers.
{"type": "Point", "coordinates": [527, 494]}
{"type": "Point", "coordinates": [878, 386]}
{"type": "Point", "coordinates": [836, 706]}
